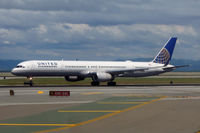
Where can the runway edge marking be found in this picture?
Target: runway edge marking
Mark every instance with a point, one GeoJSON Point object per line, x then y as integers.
{"type": "Point", "coordinates": [102, 117]}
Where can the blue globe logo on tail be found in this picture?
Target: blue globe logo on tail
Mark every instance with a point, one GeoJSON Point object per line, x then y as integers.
{"type": "Point", "coordinates": [163, 57]}
{"type": "Point", "coordinates": [165, 54]}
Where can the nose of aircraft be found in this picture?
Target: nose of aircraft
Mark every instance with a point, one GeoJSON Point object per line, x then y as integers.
{"type": "Point", "coordinates": [13, 71]}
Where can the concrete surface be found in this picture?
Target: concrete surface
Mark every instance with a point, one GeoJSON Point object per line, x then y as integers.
{"type": "Point", "coordinates": [177, 113]}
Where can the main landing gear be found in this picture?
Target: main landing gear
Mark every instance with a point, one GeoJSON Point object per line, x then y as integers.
{"type": "Point", "coordinates": [111, 83]}
{"type": "Point", "coordinates": [94, 83]}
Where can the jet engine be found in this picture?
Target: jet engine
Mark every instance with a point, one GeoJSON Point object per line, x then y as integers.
{"type": "Point", "coordinates": [74, 78]}
{"type": "Point", "coordinates": [102, 77]}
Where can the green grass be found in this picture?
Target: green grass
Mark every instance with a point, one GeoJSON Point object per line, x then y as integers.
{"type": "Point", "coordinates": [6, 74]}
{"type": "Point", "coordinates": [120, 81]}
{"type": "Point", "coordinates": [158, 80]}
{"type": "Point", "coordinates": [42, 81]}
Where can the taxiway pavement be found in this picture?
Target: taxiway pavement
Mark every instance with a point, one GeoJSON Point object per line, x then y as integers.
{"type": "Point", "coordinates": [177, 111]}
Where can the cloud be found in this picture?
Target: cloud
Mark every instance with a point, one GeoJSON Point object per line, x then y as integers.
{"type": "Point", "coordinates": [97, 29]}
{"type": "Point", "coordinates": [8, 42]}
{"type": "Point", "coordinates": [41, 29]}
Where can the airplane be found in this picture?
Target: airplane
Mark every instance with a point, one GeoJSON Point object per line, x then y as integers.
{"type": "Point", "coordinates": [99, 71]}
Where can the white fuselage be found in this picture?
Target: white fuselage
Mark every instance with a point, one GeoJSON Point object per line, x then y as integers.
{"type": "Point", "coordinates": [85, 68]}
{"type": "Point", "coordinates": [99, 71]}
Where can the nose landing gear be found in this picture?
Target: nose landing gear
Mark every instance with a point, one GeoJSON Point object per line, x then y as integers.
{"type": "Point", "coordinates": [30, 82]}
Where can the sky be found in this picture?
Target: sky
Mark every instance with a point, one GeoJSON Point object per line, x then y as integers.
{"type": "Point", "coordinates": [97, 29]}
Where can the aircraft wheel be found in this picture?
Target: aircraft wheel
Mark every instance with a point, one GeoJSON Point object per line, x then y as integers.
{"type": "Point", "coordinates": [111, 83]}
{"type": "Point", "coordinates": [31, 83]}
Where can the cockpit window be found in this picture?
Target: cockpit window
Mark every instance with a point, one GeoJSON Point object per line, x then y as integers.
{"type": "Point", "coordinates": [20, 66]}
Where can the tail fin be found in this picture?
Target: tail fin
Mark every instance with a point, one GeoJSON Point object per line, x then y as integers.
{"type": "Point", "coordinates": [165, 54]}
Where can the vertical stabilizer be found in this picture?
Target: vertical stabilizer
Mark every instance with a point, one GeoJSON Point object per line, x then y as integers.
{"type": "Point", "coordinates": [165, 54]}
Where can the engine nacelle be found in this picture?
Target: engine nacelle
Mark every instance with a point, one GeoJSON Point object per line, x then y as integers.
{"type": "Point", "coordinates": [74, 78]}
{"type": "Point", "coordinates": [102, 77]}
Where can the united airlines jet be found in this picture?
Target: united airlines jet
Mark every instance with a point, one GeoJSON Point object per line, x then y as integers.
{"type": "Point", "coordinates": [99, 71]}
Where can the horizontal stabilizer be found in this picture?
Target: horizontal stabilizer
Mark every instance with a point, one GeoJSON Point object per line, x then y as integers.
{"type": "Point", "coordinates": [174, 67]}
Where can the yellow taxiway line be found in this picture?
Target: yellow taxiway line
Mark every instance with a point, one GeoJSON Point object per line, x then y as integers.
{"type": "Point", "coordinates": [52, 130]}
{"type": "Point", "coordinates": [111, 114]}
{"type": "Point", "coordinates": [103, 117]}
{"type": "Point", "coordinates": [59, 125]}
{"type": "Point", "coordinates": [89, 111]}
